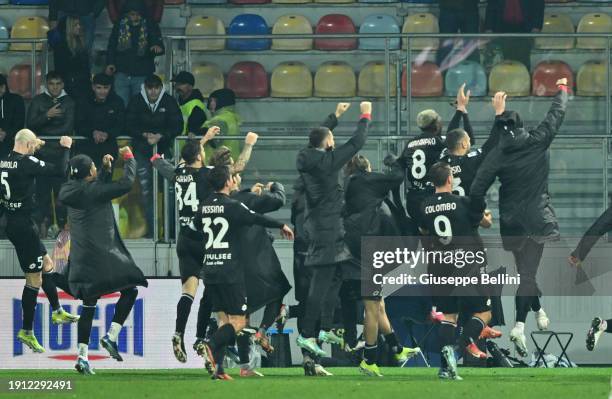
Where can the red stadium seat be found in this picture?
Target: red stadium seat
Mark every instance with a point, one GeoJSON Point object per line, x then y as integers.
{"type": "Point", "coordinates": [426, 80]}
{"type": "Point", "coordinates": [545, 77]}
{"type": "Point", "coordinates": [335, 24]}
{"type": "Point", "coordinates": [20, 79]}
{"type": "Point", "coordinates": [248, 80]}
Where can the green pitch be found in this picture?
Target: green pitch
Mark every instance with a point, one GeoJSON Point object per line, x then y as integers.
{"type": "Point", "coordinates": [416, 383]}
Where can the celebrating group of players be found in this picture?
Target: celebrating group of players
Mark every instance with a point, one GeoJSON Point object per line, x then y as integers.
{"type": "Point", "coordinates": [223, 237]}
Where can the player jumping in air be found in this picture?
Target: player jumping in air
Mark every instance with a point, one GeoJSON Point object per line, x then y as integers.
{"type": "Point", "coordinates": [18, 171]}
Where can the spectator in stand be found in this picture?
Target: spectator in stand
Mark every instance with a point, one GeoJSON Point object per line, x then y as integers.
{"type": "Point", "coordinates": [154, 8]}
{"type": "Point", "coordinates": [515, 16]}
{"type": "Point", "coordinates": [458, 16]}
{"type": "Point", "coordinates": [222, 105]}
{"type": "Point", "coordinates": [132, 47]}
{"type": "Point", "coordinates": [153, 118]}
{"type": "Point", "coordinates": [100, 119]}
{"type": "Point", "coordinates": [71, 58]}
{"type": "Point", "coordinates": [191, 103]}
{"type": "Point", "coordinates": [86, 10]}
{"type": "Point", "coordinates": [51, 113]}
{"type": "Point", "coordinates": [12, 117]}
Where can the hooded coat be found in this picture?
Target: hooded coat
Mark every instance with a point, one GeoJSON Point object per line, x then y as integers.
{"type": "Point", "coordinates": [227, 119]}
{"type": "Point", "coordinates": [162, 117]}
{"type": "Point", "coordinates": [319, 170]}
{"type": "Point", "coordinates": [521, 161]}
{"type": "Point", "coordinates": [99, 263]}
{"type": "Point", "coordinates": [74, 67]}
{"type": "Point", "coordinates": [12, 119]}
{"type": "Point", "coordinates": [265, 279]}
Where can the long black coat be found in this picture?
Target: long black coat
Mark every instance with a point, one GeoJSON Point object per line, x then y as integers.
{"type": "Point", "coordinates": [521, 162]}
{"type": "Point", "coordinates": [601, 226]}
{"type": "Point", "coordinates": [265, 280]}
{"type": "Point", "coordinates": [325, 196]}
{"type": "Point", "coordinates": [99, 263]}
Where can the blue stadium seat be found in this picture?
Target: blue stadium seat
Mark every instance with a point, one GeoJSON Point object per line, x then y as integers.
{"type": "Point", "coordinates": [469, 72]}
{"type": "Point", "coordinates": [30, 2]}
{"type": "Point", "coordinates": [248, 24]}
{"type": "Point", "coordinates": [4, 34]}
{"type": "Point", "coordinates": [379, 23]}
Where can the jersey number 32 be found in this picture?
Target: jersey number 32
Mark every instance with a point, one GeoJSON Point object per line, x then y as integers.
{"type": "Point", "coordinates": [215, 238]}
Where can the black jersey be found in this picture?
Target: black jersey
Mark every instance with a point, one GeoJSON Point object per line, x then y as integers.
{"type": "Point", "coordinates": [223, 221]}
{"type": "Point", "coordinates": [18, 173]}
{"type": "Point", "coordinates": [418, 156]}
{"type": "Point", "coordinates": [191, 188]}
{"type": "Point", "coordinates": [464, 169]}
{"type": "Point", "coordinates": [452, 221]}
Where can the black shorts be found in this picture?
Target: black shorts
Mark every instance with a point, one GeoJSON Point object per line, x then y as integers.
{"type": "Point", "coordinates": [228, 298]}
{"type": "Point", "coordinates": [23, 234]}
{"type": "Point", "coordinates": [190, 252]}
{"type": "Point", "coordinates": [462, 304]}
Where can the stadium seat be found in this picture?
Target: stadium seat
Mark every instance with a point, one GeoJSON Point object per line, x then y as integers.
{"type": "Point", "coordinates": [335, 1]}
{"type": "Point", "coordinates": [594, 23]}
{"type": "Point", "coordinates": [248, 24]}
{"type": "Point", "coordinates": [205, 25]}
{"type": "Point", "coordinates": [426, 80]}
{"type": "Point", "coordinates": [469, 72]}
{"type": "Point", "coordinates": [4, 34]}
{"type": "Point", "coordinates": [379, 23]}
{"type": "Point", "coordinates": [291, 1]}
{"type": "Point", "coordinates": [335, 79]}
{"type": "Point", "coordinates": [591, 79]}
{"type": "Point", "coordinates": [173, 2]}
{"type": "Point", "coordinates": [335, 24]}
{"type": "Point", "coordinates": [556, 23]}
{"type": "Point", "coordinates": [29, 28]}
{"type": "Point", "coordinates": [545, 76]}
{"type": "Point", "coordinates": [420, 1]}
{"type": "Point", "coordinates": [371, 81]}
{"type": "Point", "coordinates": [289, 25]}
{"type": "Point", "coordinates": [558, 1]}
{"type": "Point", "coordinates": [421, 23]}
{"type": "Point", "coordinates": [378, 1]}
{"type": "Point", "coordinates": [20, 80]}
{"type": "Point", "coordinates": [291, 79]}
{"type": "Point", "coordinates": [30, 2]}
{"type": "Point", "coordinates": [208, 78]}
{"type": "Point", "coordinates": [206, 1]}
{"type": "Point", "coordinates": [511, 77]}
{"type": "Point", "coordinates": [248, 79]}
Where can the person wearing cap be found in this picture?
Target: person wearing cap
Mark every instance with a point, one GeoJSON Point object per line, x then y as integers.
{"type": "Point", "coordinates": [222, 105]}
{"type": "Point", "coordinates": [12, 116]}
{"type": "Point", "coordinates": [153, 118]}
{"type": "Point", "coordinates": [99, 262]}
{"type": "Point", "coordinates": [134, 43]}
{"type": "Point", "coordinates": [100, 118]}
{"type": "Point", "coordinates": [191, 103]}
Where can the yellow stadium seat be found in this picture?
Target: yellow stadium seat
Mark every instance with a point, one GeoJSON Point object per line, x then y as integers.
{"type": "Point", "coordinates": [511, 77]}
{"type": "Point", "coordinates": [335, 79]}
{"type": "Point", "coordinates": [205, 25]}
{"type": "Point", "coordinates": [421, 23]}
{"type": "Point", "coordinates": [291, 1]}
{"type": "Point", "coordinates": [291, 79]}
{"type": "Point", "coordinates": [591, 79]}
{"type": "Point", "coordinates": [594, 23]}
{"type": "Point", "coordinates": [208, 78]}
{"type": "Point", "coordinates": [556, 23]}
{"type": "Point", "coordinates": [334, 1]}
{"type": "Point", "coordinates": [371, 82]}
{"type": "Point", "coordinates": [292, 25]}
{"type": "Point", "coordinates": [29, 28]}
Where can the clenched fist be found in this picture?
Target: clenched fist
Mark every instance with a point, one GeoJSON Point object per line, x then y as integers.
{"type": "Point", "coordinates": [366, 107]}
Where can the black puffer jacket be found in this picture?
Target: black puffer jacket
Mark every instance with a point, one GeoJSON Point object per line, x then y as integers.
{"type": "Point", "coordinates": [320, 170]}
{"type": "Point", "coordinates": [521, 162]}
{"type": "Point", "coordinates": [163, 117]}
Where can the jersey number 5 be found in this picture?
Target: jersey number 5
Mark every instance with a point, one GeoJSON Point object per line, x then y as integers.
{"type": "Point", "coordinates": [215, 240]}
{"type": "Point", "coordinates": [7, 188]}
{"type": "Point", "coordinates": [190, 198]}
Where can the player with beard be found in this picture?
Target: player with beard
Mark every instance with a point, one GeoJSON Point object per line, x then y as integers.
{"type": "Point", "coordinates": [18, 172]}
{"type": "Point", "coordinates": [223, 222]}
{"type": "Point", "coordinates": [451, 223]}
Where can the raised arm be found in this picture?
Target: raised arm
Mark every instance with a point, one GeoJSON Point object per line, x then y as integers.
{"type": "Point", "coordinates": [487, 172]}
{"type": "Point", "coordinates": [269, 200]}
{"type": "Point", "coordinates": [107, 191]}
{"type": "Point", "coordinates": [41, 168]}
{"type": "Point", "coordinates": [342, 154]}
{"type": "Point", "coordinates": [461, 115]}
{"type": "Point", "coordinates": [247, 150]}
{"type": "Point", "coordinates": [546, 131]}
{"type": "Point", "coordinates": [165, 168]}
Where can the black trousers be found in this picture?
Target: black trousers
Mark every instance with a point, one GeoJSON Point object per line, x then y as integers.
{"type": "Point", "coordinates": [528, 259]}
{"type": "Point", "coordinates": [323, 295]}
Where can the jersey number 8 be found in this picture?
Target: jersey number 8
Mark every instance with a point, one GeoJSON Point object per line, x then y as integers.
{"type": "Point", "coordinates": [215, 240]}
{"type": "Point", "coordinates": [419, 170]}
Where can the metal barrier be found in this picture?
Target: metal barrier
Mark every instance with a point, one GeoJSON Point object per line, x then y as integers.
{"type": "Point", "coordinates": [44, 62]}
